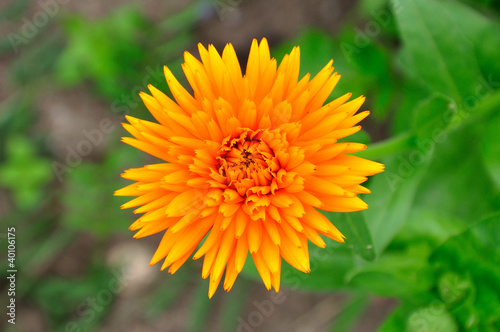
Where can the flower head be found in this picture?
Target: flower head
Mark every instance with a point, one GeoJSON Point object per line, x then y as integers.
{"type": "Point", "coordinates": [248, 160]}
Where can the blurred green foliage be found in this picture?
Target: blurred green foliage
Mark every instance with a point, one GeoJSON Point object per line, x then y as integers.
{"type": "Point", "coordinates": [24, 173]}
{"type": "Point", "coordinates": [430, 238]}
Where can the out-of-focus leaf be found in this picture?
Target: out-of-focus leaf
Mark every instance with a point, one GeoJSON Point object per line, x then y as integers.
{"type": "Point", "coordinates": [412, 94]}
{"type": "Point", "coordinates": [67, 300]}
{"type": "Point", "coordinates": [488, 307]}
{"type": "Point", "coordinates": [434, 317]}
{"type": "Point", "coordinates": [483, 33]}
{"type": "Point", "coordinates": [396, 320]}
{"type": "Point", "coordinates": [116, 50]}
{"type": "Point", "coordinates": [15, 116]}
{"type": "Point", "coordinates": [372, 68]}
{"type": "Point", "coordinates": [448, 186]}
{"type": "Point", "coordinates": [14, 9]}
{"type": "Point", "coordinates": [38, 62]}
{"type": "Point", "coordinates": [441, 55]}
{"type": "Point", "coordinates": [491, 149]}
{"type": "Point", "coordinates": [100, 211]}
{"type": "Point", "coordinates": [393, 193]}
{"type": "Point", "coordinates": [429, 116]}
{"type": "Point", "coordinates": [182, 20]}
{"type": "Point", "coordinates": [24, 172]}
{"type": "Point", "coordinates": [473, 257]}
{"type": "Point", "coordinates": [393, 274]}
{"type": "Point", "coordinates": [431, 226]}
{"type": "Point", "coordinates": [358, 237]}
{"type": "Point", "coordinates": [316, 49]}
{"type": "Point", "coordinates": [369, 6]}
{"type": "Point", "coordinates": [479, 246]}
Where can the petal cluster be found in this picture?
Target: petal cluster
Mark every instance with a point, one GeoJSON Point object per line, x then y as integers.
{"type": "Point", "coordinates": [247, 159]}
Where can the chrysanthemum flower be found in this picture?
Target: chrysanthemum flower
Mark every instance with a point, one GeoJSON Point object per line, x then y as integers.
{"type": "Point", "coordinates": [248, 161]}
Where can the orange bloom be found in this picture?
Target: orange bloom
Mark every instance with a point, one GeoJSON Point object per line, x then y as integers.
{"type": "Point", "coordinates": [248, 160]}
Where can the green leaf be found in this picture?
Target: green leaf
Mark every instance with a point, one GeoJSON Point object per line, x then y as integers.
{"type": "Point", "coordinates": [483, 32]}
{"type": "Point", "coordinates": [428, 117]}
{"type": "Point", "coordinates": [448, 186]}
{"type": "Point", "coordinates": [491, 149]}
{"type": "Point", "coordinates": [412, 93]}
{"type": "Point", "coordinates": [440, 54]}
{"type": "Point", "coordinates": [393, 274]}
{"type": "Point", "coordinates": [391, 200]}
{"type": "Point", "coordinates": [430, 225]}
{"type": "Point", "coordinates": [358, 237]}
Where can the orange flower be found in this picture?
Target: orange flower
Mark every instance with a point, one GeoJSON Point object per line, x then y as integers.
{"type": "Point", "coordinates": [248, 160]}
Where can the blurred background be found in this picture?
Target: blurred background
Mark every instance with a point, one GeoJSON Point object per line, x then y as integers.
{"type": "Point", "coordinates": [423, 257]}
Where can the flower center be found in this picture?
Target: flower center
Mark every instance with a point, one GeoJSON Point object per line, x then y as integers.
{"type": "Point", "coordinates": [248, 163]}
